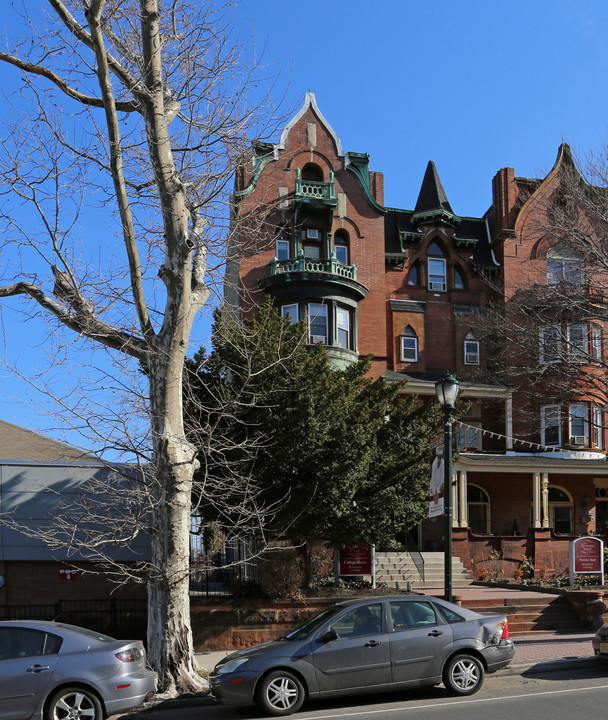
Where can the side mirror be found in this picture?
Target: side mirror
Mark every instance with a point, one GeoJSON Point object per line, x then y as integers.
{"type": "Point", "coordinates": [329, 636]}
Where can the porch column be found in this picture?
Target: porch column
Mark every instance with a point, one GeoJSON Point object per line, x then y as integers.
{"type": "Point", "coordinates": [536, 505]}
{"type": "Point", "coordinates": [463, 519]}
{"type": "Point", "coordinates": [545, 494]}
{"type": "Point", "coordinates": [509, 422]}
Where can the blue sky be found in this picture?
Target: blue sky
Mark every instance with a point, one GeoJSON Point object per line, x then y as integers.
{"type": "Point", "coordinates": [473, 85]}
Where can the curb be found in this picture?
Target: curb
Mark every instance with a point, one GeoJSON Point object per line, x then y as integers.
{"type": "Point", "coordinates": [548, 666]}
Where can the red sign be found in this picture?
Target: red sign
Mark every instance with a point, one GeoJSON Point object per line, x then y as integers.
{"type": "Point", "coordinates": [356, 560]}
{"type": "Point", "coordinates": [587, 555]}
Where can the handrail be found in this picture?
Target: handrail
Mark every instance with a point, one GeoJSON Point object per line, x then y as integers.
{"type": "Point", "coordinates": [307, 264]}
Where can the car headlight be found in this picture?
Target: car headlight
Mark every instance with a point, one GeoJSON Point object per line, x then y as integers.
{"type": "Point", "coordinates": [231, 665]}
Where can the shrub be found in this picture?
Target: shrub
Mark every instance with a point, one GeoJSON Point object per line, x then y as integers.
{"type": "Point", "coordinates": [281, 573]}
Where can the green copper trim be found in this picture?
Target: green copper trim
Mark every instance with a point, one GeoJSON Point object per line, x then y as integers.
{"type": "Point", "coordinates": [359, 166]}
{"type": "Point", "coordinates": [263, 153]}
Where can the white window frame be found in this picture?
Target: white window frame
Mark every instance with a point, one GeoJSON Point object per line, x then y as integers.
{"type": "Point", "coordinates": [578, 424]}
{"type": "Point", "coordinates": [282, 248]}
{"type": "Point", "coordinates": [471, 350]}
{"type": "Point", "coordinates": [341, 313]}
{"type": "Point", "coordinates": [437, 277]}
{"type": "Point", "coordinates": [468, 435]}
{"type": "Point", "coordinates": [578, 346]}
{"type": "Point", "coordinates": [409, 346]}
{"type": "Point", "coordinates": [320, 311]}
{"type": "Point", "coordinates": [596, 342]}
{"type": "Point", "coordinates": [550, 417]}
{"type": "Point", "coordinates": [598, 427]}
{"type": "Point", "coordinates": [565, 269]}
{"type": "Point", "coordinates": [545, 334]}
{"type": "Point", "coordinates": [291, 309]}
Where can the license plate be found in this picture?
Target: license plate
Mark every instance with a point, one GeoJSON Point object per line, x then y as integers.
{"type": "Point", "coordinates": [604, 648]}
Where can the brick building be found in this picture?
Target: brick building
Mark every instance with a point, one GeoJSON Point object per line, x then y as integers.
{"type": "Point", "coordinates": [407, 288]}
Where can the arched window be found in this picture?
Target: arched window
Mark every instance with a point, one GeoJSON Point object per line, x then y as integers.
{"type": "Point", "coordinates": [341, 246]}
{"type": "Point", "coordinates": [458, 279]}
{"type": "Point", "coordinates": [478, 510]}
{"type": "Point", "coordinates": [560, 511]}
{"type": "Point", "coordinates": [412, 276]}
{"type": "Point", "coordinates": [436, 266]}
{"type": "Point", "coordinates": [311, 171]}
{"type": "Point", "coordinates": [471, 350]}
{"type": "Point", "coordinates": [409, 346]}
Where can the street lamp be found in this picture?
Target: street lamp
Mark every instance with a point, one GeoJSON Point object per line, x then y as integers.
{"type": "Point", "coordinates": [446, 390]}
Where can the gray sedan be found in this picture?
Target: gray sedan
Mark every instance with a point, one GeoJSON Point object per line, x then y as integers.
{"type": "Point", "coordinates": [368, 644]}
{"type": "Point", "coordinates": [55, 671]}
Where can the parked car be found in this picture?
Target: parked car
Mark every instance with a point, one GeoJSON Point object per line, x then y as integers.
{"type": "Point", "coordinates": [54, 671]}
{"type": "Point", "coordinates": [368, 644]}
{"type": "Point", "coordinates": [599, 642]}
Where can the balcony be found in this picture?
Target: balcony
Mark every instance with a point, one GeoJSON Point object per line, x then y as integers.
{"type": "Point", "coordinates": [315, 192]}
{"type": "Point", "coordinates": [314, 273]}
{"type": "Point", "coordinates": [302, 264]}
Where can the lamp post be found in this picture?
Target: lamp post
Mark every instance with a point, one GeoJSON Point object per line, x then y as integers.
{"type": "Point", "coordinates": [446, 390]}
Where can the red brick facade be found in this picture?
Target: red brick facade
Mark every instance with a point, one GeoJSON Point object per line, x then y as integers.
{"type": "Point", "coordinates": [422, 277]}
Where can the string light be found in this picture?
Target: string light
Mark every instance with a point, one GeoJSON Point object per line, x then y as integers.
{"type": "Point", "coordinates": [492, 434]}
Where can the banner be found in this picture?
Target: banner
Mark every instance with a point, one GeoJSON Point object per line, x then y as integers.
{"type": "Point", "coordinates": [437, 478]}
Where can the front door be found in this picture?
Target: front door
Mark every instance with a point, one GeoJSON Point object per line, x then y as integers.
{"type": "Point", "coordinates": [359, 656]}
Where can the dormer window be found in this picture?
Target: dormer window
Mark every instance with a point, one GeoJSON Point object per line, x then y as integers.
{"type": "Point", "coordinates": [409, 346]}
{"type": "Point", "coordinates": [436, 268]}
{"type": "Point", "coordinates": [313, 172]}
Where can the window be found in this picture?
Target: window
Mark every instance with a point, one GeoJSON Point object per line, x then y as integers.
{"type": "Point", "coordinates": [478, 510]}
{"type": "Point", "coordinates": [551, 430]}
{"type": "Point", "coordinates": [291, 311]}
{"type": "Point", "coordinates": [363, 620]}
{"type": "Point", "coordinates": [409, 346]}
{"type": "Point", "coordinates": [471, 350]}
{"type": "Point", "coordinates": [317, 323]}
{"type": "Point", "coordinates": [550, 345]}
{"type": "Point", "coordinates": [25, 642]}
{"type": "Point", "coordinates": [343, 327]}
{"type": "Point", "coordinates": [413, 614]}
{"type": "Point", "coordinates": [412, 276]}
{"type": "Point", "coordinates": [560, 511]}
{"type": "Point", "coordinates": [341, 247]}
{"type": "Point", "coordinates": [458, 280]}
{"type": "Point", "coordinates": [596, 342]}
{"type": "Point", "coordinates": [436, 268]}
{"type": "Point", "coordinates": [579, 425]}
{"type": "Point", "coordinates": [312, 251]}
{"type": "Point", "coordinates": [311, 171]}
{"type": "Point", "coordinates": [564, 269]}
{"type": "Point", "coordinates": [282, 250]}
{"type": "Point", "coordinates": [598, 423]}
{"type": "Point", "coordinates": [577, 343]}
{"type": "Point", "coordinates": [468, 436]}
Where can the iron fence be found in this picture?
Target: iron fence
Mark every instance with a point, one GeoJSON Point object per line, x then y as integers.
{"type": "Point", "coordinates": [120, 618]}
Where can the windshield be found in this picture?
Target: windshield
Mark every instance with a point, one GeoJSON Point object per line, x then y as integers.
{"type": "Point", "coordinates": [309, 627]}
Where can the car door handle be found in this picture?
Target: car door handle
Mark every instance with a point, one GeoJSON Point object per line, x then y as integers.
{"type": "Point", "coordinates": [373, 643]}
{"type": "Point", "coordinates": [38, 668]}
{"type": "Point", "coordinates": [435, 633]}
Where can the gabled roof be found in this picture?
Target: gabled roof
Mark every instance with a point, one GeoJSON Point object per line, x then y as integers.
{"type": "Point", "coordinates": [17, 443]}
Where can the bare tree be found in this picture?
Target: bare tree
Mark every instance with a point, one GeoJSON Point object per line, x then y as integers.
{"type": "Point", "coordinates": [546, 331]}
{"type": "Point", "coordinates": [115, 172]}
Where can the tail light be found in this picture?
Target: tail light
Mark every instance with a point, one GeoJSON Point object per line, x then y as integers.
{"type": "Point", "coordinates": [505, 630]}
{"type": "Point", "coordinates": [130, 655]}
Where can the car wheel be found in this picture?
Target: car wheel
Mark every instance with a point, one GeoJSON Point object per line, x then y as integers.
{"type": "Point", "coordinates": [463, 675]}
{"type": "Point", "coordinates": [72, 702]}
{"type": "Point", "coordinates": [281, 693]}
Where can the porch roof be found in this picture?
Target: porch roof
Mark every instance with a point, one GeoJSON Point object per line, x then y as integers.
{"type": "Point", "coordinates": [530, 463]}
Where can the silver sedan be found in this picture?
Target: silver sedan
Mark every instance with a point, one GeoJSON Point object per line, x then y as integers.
{"type": "Point", "coordinates": [368, 644]}
{"type": "Point", "coordinates": [54, 671]}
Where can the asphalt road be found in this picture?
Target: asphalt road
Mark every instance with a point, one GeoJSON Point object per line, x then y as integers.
{"type": "Point", "coordinates": [579, 692]}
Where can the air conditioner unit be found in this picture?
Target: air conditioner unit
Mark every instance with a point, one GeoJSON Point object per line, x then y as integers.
{"type": "Point", "coordinates": [437, 286]}
{"type": "Point", "coordinates": [578, 440]}
{"type": "Point", "coordinates": [314, 339]}
{"type": "Point", "coordinates": [311, 234]}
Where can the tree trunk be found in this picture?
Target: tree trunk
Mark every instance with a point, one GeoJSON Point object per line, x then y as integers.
{"type": "Point", "coordinates": [168, 588]}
